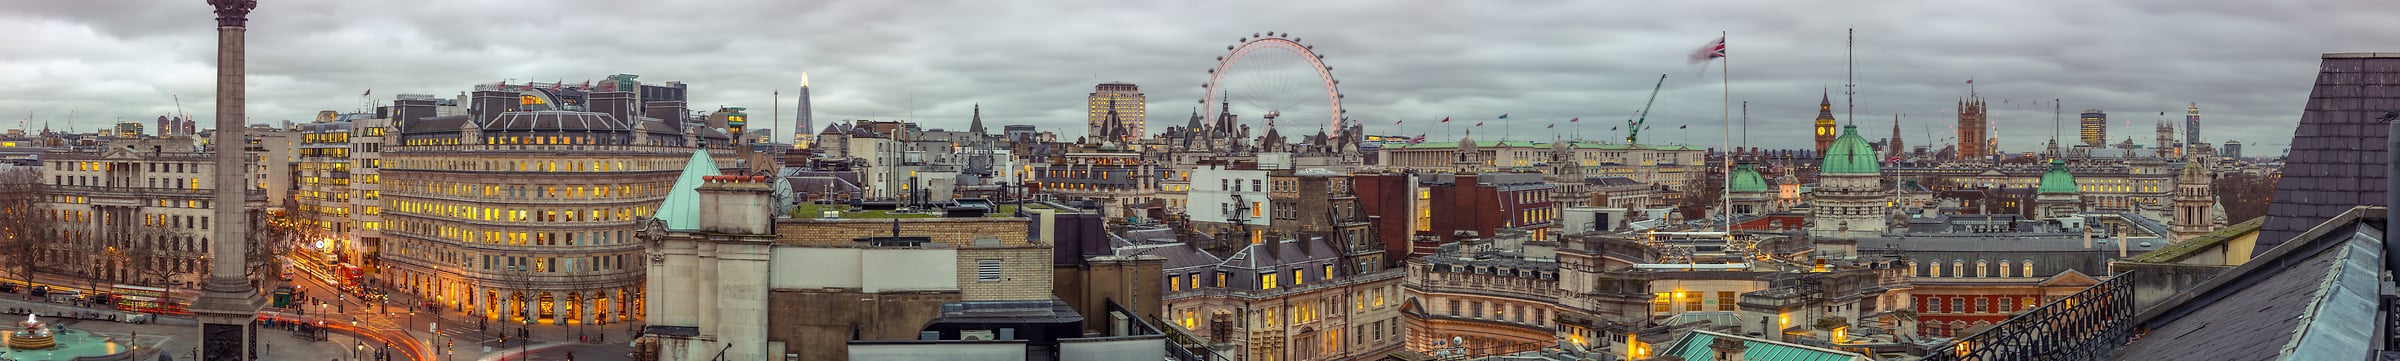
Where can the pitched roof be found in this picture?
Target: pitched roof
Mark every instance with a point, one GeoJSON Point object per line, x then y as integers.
{"type": "Point", "coordinates": [1697, 346]}
{"type": "Point", "coordinates": [681, 209]}
{"type": "Point", "coordinates": [2337, 153]}
{"type": "Point", "coordinates": [2309, 299]}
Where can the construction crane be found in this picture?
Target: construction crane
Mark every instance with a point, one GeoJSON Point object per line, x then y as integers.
{"type": "Point", "coordinates": [1633, 127]}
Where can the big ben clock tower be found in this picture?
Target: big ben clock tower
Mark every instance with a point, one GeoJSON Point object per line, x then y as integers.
{"type": "Point", "coordinates": [1825, 130]}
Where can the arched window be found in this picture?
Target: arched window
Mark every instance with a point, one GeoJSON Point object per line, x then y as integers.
{"type": "Point", "coordinates": [1982, 268]}
{"type": "Point", "coordinates": [1933, 269]}
{"type": "Point", "coordinates": [2004, 268]}
{"type": "Point", "coordinates": [2028, 265]}
{"type": "Point", "coordinates": [1958, 268]}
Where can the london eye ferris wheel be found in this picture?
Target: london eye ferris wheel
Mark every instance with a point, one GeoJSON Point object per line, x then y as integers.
{"type": "Point", "coordinates": [1278, 80]}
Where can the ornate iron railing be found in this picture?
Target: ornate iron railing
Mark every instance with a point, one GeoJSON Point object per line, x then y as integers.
{"type": "Point", "coordinates": [2088, 325]}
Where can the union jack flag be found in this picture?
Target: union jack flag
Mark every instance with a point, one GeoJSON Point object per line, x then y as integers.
{"type": "Point", "coordinates": [1712, 51]}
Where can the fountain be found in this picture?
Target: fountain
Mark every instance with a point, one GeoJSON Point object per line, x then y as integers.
{"type": "Point", "coordinates": [33, 337]}
{"type": "Point", "coordinates": [38, 341]}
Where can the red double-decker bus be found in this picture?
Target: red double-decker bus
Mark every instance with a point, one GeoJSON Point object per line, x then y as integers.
{"type": "Point", "coordinates": [145, 300]}
{"type": "Point", "coordinates": [350, 277]}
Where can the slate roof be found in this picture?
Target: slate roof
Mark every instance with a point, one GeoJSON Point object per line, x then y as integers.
{"type": "Point", "coordinates": [1610, 181]}
{"type": "Point", "coordinates": [556, 120]}
{"type": "Point", "coordinates": [2337, 153]}
{"type": "Point", "coordinates": [2310, 299]}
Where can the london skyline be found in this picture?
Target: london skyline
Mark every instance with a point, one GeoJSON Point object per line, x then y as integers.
{"type": "Point", "coordinates": [1032, 63]}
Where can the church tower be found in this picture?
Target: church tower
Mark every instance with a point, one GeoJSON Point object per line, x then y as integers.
{"type": "Point", "coordinates": [1897, 149]}
{"type": "Point", "coordinates": [2193, 201]}
{"type": "Point", "coordinates": [1825, 126]}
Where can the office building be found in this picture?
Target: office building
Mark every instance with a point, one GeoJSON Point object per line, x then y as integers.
{"type": "Point", "coordinates": [2094, 128]}
{"type": "Point", "coordinates": [1126, 102]}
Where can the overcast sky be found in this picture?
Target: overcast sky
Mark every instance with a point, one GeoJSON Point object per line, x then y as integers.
{"type": "Point", "coordinates": [2247, 63]}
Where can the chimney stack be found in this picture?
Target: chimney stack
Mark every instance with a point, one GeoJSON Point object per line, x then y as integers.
{"type": "Point", "coordinates": [737, 204]}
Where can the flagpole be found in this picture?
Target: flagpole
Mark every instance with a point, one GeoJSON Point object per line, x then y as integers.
{"type": "Point", "coordinates": [1725, 83]}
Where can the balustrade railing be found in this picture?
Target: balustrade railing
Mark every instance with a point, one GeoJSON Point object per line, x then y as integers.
{"type": "Point", "coordinates": [2088, 325]}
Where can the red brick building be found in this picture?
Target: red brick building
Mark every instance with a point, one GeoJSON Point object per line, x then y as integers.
{"type": "Point", "coordinates": [1398, 202]}
{"type": "Point", "coordinates": [1468, 206]}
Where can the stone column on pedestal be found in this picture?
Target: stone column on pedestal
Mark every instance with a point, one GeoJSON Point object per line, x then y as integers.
{"type": "Point", "coordinates": [228, 302]}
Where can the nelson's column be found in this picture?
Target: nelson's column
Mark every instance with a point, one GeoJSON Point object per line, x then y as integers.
{"type": "Point", "coordinates": [228, 302]}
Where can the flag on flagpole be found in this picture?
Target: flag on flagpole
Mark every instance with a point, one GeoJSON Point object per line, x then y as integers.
{"type": "Point", "coordinates": [1612, 128]}
{"type": "Point", "coordinates": [1685, 126]}
{"type": "Point", "coordinates": [1712, 51]}
{"type": "Point", "coordinates": [370, 91]}
{"type": "Point", "coordinates": [1550, 126]}
{"type": "Point", "coordinates": [1503, 115]}
{"type": "Point", "coordinates": [1420, 138]}
{"type": "Point", "coordinates": [1478, 124]}
{"type": "Point", "coordinates": [1445, 119]}
{"type": "Point", "coordinates": [1970, 81]}
{"type": "Point", "coordinates": [1397, 122]}
{"type": "Point", "coordinates": [1574, 119]}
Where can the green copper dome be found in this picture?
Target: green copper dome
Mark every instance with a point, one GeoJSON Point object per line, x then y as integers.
{"type": "Point", "coordinates": [1746, 179]}
{"type": "Point", "coordinates": [2057, 180]}
{"type": "Point", "coordinates": [1850, 154]}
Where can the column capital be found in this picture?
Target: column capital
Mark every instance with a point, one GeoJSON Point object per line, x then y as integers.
{"type": "Point", "coordinates": [234, 13]}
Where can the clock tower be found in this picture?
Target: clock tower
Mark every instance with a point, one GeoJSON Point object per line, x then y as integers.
{"type": "Point", "coordinates": [1825, 130]}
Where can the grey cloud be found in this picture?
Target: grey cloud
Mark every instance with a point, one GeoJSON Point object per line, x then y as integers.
{"type": "Point", "coordinates": [2247, 63]}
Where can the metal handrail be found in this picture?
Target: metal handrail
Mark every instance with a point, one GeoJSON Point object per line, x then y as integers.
{"type": "Point", "coordinates": [2088, 325]}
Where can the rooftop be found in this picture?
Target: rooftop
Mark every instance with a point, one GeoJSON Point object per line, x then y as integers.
{"type": "Point", "coordinates": [816, 210]}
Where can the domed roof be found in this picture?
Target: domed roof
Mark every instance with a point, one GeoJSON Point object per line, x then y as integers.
{"type": "Point", "coordinates": [1746, 179]}
{"type": "Point", "coordinates": [1850, 154]}
{"type": "Point", "coordinates": [2057, 180]}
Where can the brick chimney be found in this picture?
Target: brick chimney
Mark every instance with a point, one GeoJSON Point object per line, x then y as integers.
{"type": "Point", "coordinates": [736, 205]}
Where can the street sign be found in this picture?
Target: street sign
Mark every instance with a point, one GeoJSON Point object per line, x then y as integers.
{"type": "Point", "coordinates": [433, 327]}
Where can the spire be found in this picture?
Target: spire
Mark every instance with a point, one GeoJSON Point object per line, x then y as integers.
{"type": "Point", "coordinates": [977, 125]}
{"type": "Point", "coordinates": [1825, 106]}
{"type": "Point", "coordinates": [1108, 131]}
{"type": "Point", "coordinates": [1898, 148]}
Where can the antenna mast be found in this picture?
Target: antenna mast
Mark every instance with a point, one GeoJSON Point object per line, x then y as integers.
{"type": "Point", "coordinates": [2056, 111]}
{"type": "Point", "coordinates": [1850, 75]}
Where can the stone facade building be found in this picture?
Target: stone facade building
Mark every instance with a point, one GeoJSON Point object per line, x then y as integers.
{"type": "Point", "coordinates": [134, 210]}
{"type": "Point", "coordinates": [1851, 200]}
{"type": "Point", "coordinates": [523, 208]}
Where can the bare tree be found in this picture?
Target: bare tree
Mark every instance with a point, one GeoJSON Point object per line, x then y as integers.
{"type": "Point", "coordinates": [1699, 194]}
{"type": "Point", "coordinates": [269, 238]}
{"type": "Point", "coordinates": [162, 255]}
{"type": "Point", "coordinates": [2245, 195]}
{"type": "Point", "coordinates": [24, 224]}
